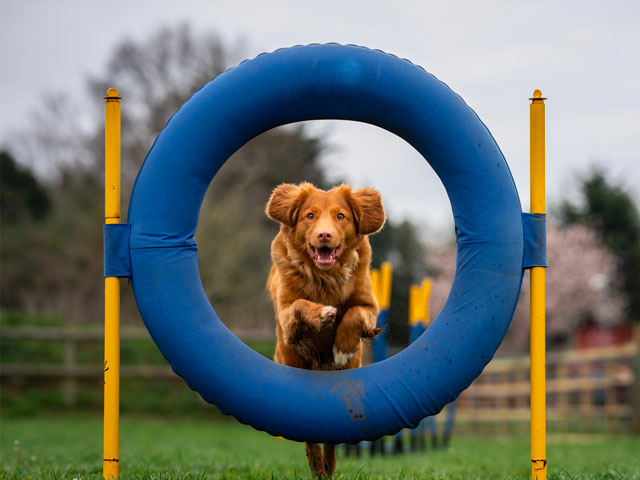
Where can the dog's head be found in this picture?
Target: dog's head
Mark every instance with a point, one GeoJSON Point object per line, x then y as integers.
{"type": "Point", "coordinates": [326, 224]}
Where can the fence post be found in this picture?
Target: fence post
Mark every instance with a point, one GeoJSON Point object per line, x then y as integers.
{"type": "Point", "coordinates": [111, 456]}
{"type": "Point", "coordinates": [70, 384]}
{"type": "Point", "coordinates": [635, 414]}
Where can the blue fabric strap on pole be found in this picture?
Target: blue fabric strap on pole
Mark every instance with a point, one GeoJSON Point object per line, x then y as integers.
{"type": "Point", "coordinates": [117, 261]}
{"type": "Point", "coordinates": [535, 240]}
{"type": "Point", "coordinates": [415, 331]}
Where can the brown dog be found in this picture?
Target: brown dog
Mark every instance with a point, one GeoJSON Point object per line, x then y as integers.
{"type": "Point", "coordinates": [320, 283]}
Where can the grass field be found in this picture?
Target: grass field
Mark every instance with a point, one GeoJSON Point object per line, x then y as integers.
{"type": "Point", "coordinates": [70, 447]}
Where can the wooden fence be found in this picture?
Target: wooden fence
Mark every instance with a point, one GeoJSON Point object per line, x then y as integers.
{"type": "Point", "coordinates": [70, 371]}
{"type": "Point", "coordinates": [587, 390]}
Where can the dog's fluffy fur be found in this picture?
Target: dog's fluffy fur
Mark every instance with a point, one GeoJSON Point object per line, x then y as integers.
{"type": "Point", "coordinates": [320, 284]}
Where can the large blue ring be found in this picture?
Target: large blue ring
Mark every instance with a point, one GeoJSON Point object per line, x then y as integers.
{"type": "Point", "coordinates": [326, 82]}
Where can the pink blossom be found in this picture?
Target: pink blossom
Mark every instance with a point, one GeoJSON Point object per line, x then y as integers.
{"type": "Point", "coordinates": [581, 285]}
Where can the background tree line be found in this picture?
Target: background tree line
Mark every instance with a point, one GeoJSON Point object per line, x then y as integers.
{"type": "Point", "coordinates": [52, 184]}
{"type": "Point", "coordinates": [52, 204]}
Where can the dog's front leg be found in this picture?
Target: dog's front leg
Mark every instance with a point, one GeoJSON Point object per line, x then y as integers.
{"type": "Point", "coordinates": [303, 317]}
{"type": "Point", "coordinates": [358, 322]}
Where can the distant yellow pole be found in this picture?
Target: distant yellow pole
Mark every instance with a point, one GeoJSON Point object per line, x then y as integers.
{"type": "Point", "coordinates": [386, 273]}
{"type": "Point", "coordinates": [375, 283]}
{"type": "Point", "coordinates": [111, 456]}
{"type": "Point", "coordinates": [538, 388]}
{"type": "Point", "coordinates": [426, 297]}
{"type": "Point", "coordinates": [414, 305]}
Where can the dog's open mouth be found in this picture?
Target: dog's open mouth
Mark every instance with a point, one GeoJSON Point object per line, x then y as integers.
{"type": "Point", "coordinates": [324, 257]}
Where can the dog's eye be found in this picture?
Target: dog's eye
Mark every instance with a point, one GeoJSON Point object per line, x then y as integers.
{"type": "Point", "coordinates": [340, 216]}
{"type": "Point", "coordinates": [310, 216]}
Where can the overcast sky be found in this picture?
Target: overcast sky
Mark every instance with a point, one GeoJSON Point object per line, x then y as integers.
{"type": "Point", "coordinates": [583, 55]}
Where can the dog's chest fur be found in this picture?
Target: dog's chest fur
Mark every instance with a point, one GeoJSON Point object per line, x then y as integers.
{"type": "Point", "coordinates": [296, 274]}
{"type": "Point", "coordinates": [327, 288]}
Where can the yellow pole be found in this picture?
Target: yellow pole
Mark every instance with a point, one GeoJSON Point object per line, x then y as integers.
{"type": "Point", "coordinates": [538, 388]}
{"type": "Point", "coordinates": [414, 305]}
{"type": "Point", "coordinates": [386, 273]}
{"type": "Point", "coordinates": [111, 456]}
{"type": "Point", "coordinates": [375, 283]}
{"type": "Point", "coordinates": [426, 296]}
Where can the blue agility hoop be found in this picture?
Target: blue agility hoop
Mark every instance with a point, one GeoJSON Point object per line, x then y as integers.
{"type": "Point", "coordinates": [326, 82]}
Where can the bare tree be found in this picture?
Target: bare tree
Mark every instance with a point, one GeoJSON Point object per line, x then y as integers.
{"type": "Point", "coordinates": [59, 261]}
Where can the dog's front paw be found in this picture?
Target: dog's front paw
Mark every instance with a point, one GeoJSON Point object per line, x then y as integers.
{"type": "Point", "coordinates": [341, 358]}
{"type": "Point", "coordinates": [371, 333]}
{"type": "Point", "coordinates": [346, 345]}
{"type": "Point", "coordinates": [328, 314]}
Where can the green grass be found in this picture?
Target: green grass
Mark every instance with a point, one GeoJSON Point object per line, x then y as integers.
{"type": "Point", "coordinates": [70, 447]}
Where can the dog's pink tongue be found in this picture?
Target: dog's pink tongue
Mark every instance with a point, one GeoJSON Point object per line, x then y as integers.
{"type": "Point", "coordinates": [325, 254]}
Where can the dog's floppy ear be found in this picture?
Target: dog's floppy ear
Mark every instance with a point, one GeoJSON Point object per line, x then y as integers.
{"type": "Point", "coordinates": [285, 201]}
{"type": "Point", "coordinates": [368, 210]}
